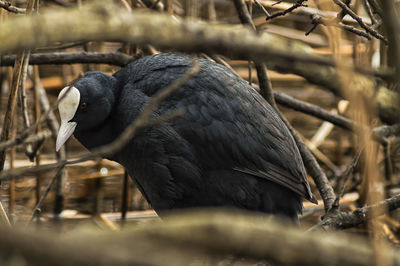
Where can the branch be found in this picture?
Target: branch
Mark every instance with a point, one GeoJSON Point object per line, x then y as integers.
{"type": "Point", "coordinates": [314, 110]}
{"type": "Point", "coordinates": [25, 139]}
{"type": "Point", "coordinates": [379, 134]}
{"type": "Point", "coordinates": [188, 239]}
{"type": "Point", "coordinates": [98, 23]}
{"type": "Point", "coordinates": [117, 59]}
{"type": "Point", "coordinates": [297, 4]}
{"type": "Point", "coordinates": [307, 11]}
{"type": "Point", "coordinates": [360, 21]}
{"type": "Point", "coordinates": [7, 6]}
{"type": "Point", "coordinates": [359, 216]}
{"type": "Point", "coordinates": [391, 25]}
{"type": "Point", "coordinates": [317, 19]}
{"type": "Point", "coordinates": [262, 75]}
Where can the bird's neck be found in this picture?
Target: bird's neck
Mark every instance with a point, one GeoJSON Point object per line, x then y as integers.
{"type": "Point", "coordinates": [102, 135]}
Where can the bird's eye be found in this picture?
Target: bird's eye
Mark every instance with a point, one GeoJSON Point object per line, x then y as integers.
{"type": "Point", "coordinates": [83, 106]}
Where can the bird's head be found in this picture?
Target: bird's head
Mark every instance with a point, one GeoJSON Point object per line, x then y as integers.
{"type": "Point", "coordinates": [85, 105]}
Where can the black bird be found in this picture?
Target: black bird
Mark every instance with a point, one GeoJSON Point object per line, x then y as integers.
{"type": "Point", "coordinates": [229, 149]}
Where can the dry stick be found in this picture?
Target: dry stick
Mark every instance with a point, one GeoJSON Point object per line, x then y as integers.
{"type": "Point", "coordinates": [3, 216]}
{"type": "Point", "coordinates": [20, 63]}
{"type": "Point", "coordinates": [317, 19]}
{"type": "Point", "coordinates": [342, 13]}
{"type": "Point", "coordinates": [28, 131]}
{"type": "Point", "coordinates": [125, 196]}
{"type": "Point", "coordinates": [61, 154]}
{"type": "Point", "coordinates": [24, 105]}
{"type": "Point", "coordinates": [262, 75]}
{"type": "Point", "coordinates": [267, 14]}
{"type": "Point", "coordinates": [377, 8]}
{"type": "Point", "coordinates": [379, 134]}
{"type": "Point", "coordinates": [192, 239]}
{"type": "Point", "coordinates": [368, 8]}
{"type": "Point", "coordinates": [60, 46]}
{"type": "Point", "coordinates": [54, 126]}
{"type": "Point", "coordinates": [360, 21]}
{"type": "Point", "coordinates": [391, 24]}
{"type": "Point", "coordinates": [12, 99]}
{"type": "Point", "coordinates": [314, 110]}
{"type": "Point", "coordinates": [7, 6]}
{"type": "Point", "coordinates": [59, 197]}
{"type": "Point", "coordinates": [388, 163]}
{"type": "Point", "coordinates": [121, 59]}
{"type": "Point", "coordinates": [306, 11]}
{"type": "Point", "coordinates": [386, 131]}
{"type": "Point", "coordinates": [11, 189]}
{"type": "Point", "coordinates": [211, 12]}
{"type": "Point", "coordinates": [226, 40]}
{"type": "Point", "coordinates": [298, 4]}
{"type": "Point", "coordinates": [38, 206]}
{"type": "Point", "coordinates": [38, 137]}
{"type": "Point", "coordinates": [60, 58]}
{"type": "Point", "coordinates": [345, 178]}
{"type": "Point", "coordinates": [5, 134]}
{"type": "Point", "coordinates": [19, 67]}
{"type": "Point", "coordinates": [359, 216]}
{"type": "Point", "coordinates": [38, 130]}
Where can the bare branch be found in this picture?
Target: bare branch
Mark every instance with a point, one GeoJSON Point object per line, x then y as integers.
{"type": "Point", "coordinates": [360, 21]}
{"type": "Point", "coordinates": [297, 4]}
{"type": "Point", "coordinates": [59, 58]}
{"type": "Point", "coordinates": [7, 6]}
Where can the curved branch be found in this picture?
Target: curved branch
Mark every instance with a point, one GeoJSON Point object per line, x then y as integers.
{"type": "Point", "coordinates": [99, 23]}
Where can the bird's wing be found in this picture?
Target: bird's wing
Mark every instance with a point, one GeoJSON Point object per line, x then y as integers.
{"type": "Point", "coordinates": [227, 122]}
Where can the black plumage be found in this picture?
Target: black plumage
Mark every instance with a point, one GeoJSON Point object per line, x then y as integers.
{"type": "Point", "coordinates": [229, 149]}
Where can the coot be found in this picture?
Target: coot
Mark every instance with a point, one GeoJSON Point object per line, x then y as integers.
{"type": "Point", "coordinates": [229, 149]}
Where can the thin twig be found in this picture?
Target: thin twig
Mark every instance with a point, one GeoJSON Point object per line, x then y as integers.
{"type": "Point", "coordinates": [297, 4]}
{"type": "Point", "coordinates": [317, 19]}
{"type": "Point", "coordinates": [24, 104]}
{"type": "Point", "coordinates": [360, 21]}
{"type": "Point", "coordinates": [38, 206]}
{"type": "Point", "coordinates": [3, 216]}
{"type": "Point", "coordinates": [379, 134]}
{"type": "Point", "coordinates": [19, 67]}
{"type": "Point", "coordinates": [367, 7]}
{"type": "Point", "coordinates": [267, 14]}
{"type": "Point", "coordinates": [345, 178]}
{"type": "Point", "coordinates": [262, 75]}
{"type": "Point", "coordinates": [25, 140]}
{"type": "Point", "coordinates": [125, 196]}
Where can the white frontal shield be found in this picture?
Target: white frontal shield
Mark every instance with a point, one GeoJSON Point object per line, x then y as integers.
{"type": "Point", "coordinates": [67, 107]}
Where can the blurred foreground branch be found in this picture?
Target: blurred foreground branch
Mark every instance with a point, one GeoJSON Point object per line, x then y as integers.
{"type": "Point", "coordinates": [183, 239]}
{"type": "Point", "coordinates": [99, 23]}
